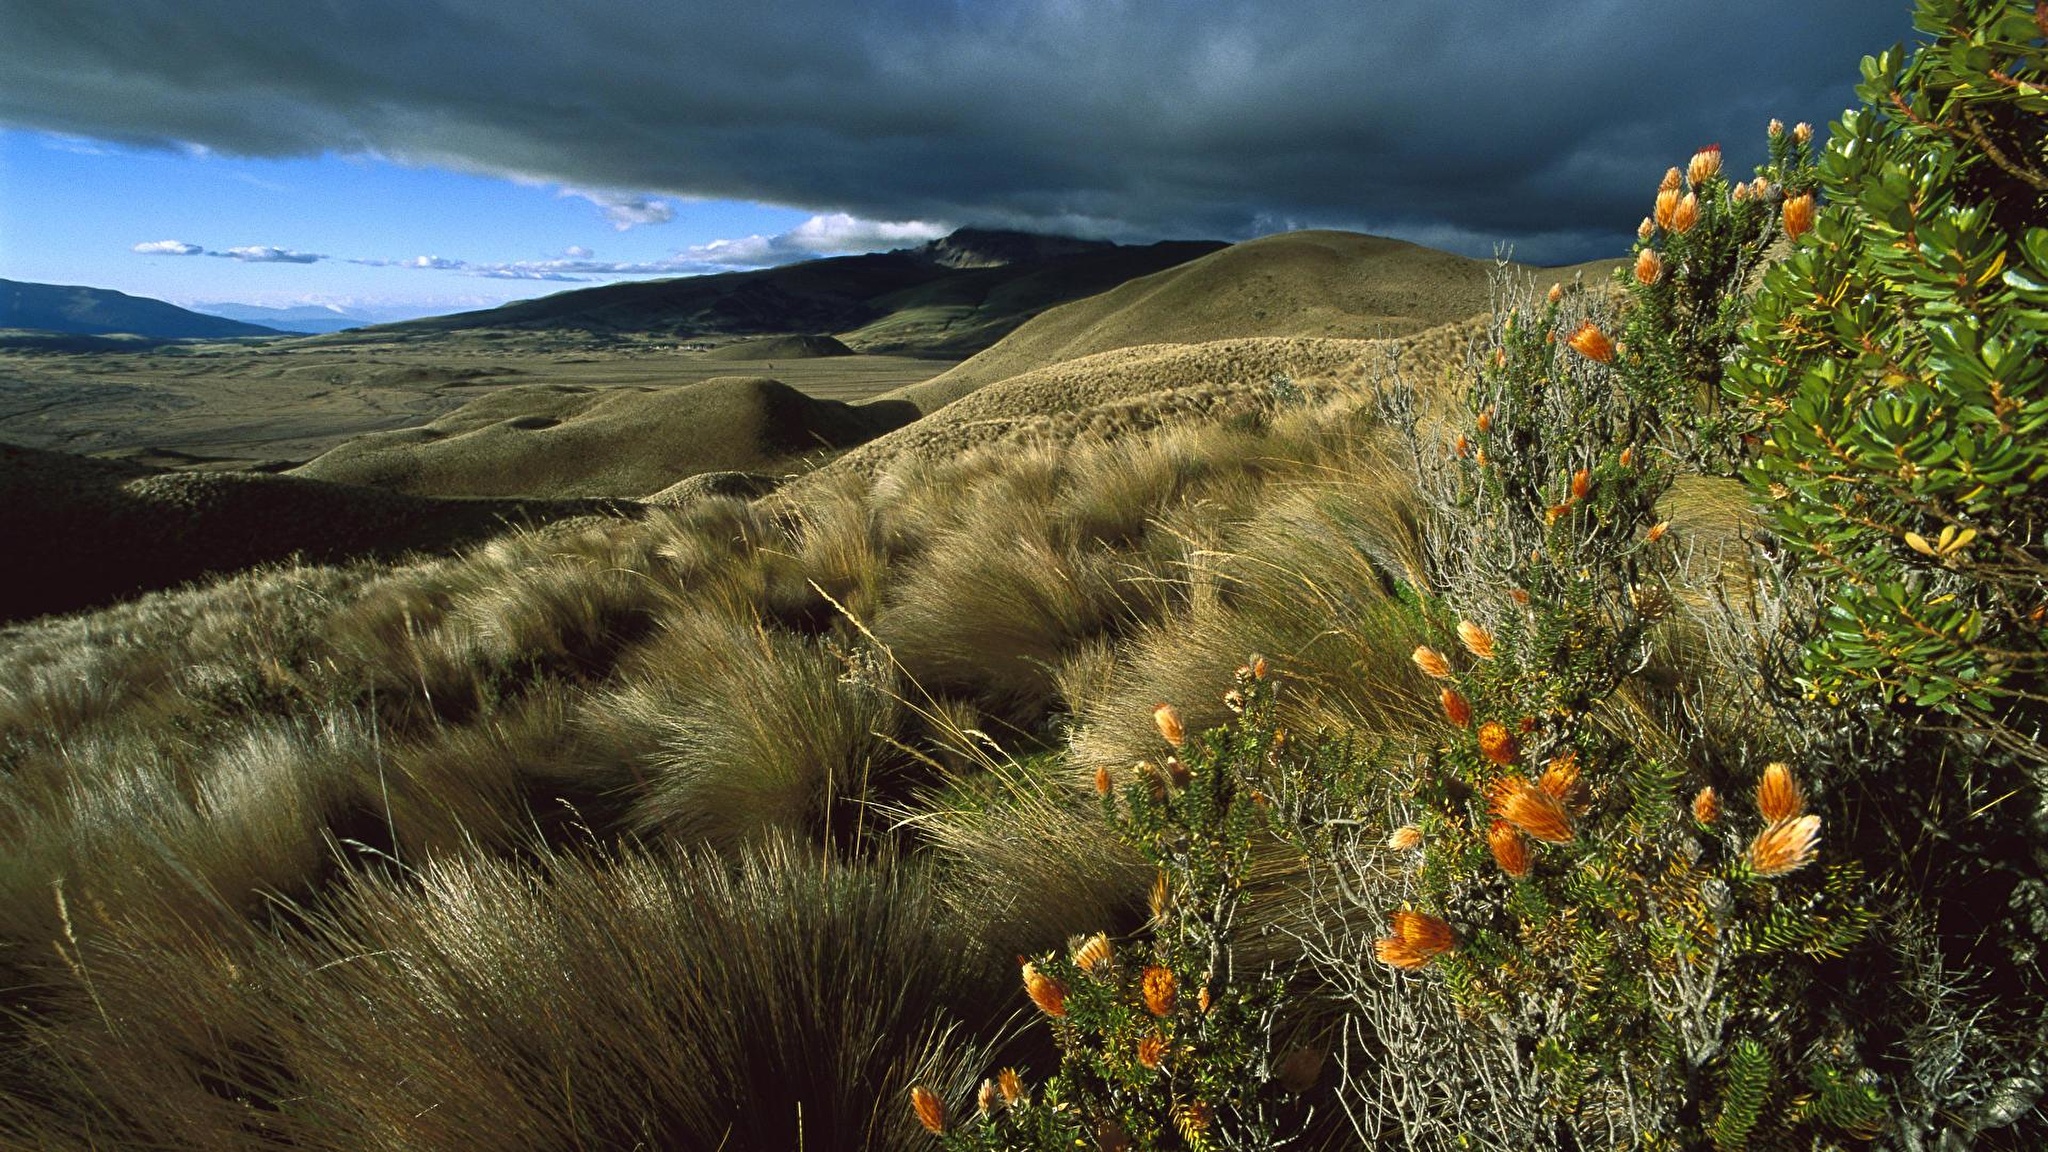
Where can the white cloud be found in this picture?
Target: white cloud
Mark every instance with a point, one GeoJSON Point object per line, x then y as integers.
{"type": "Point", "coordinates": [578, 252]}
{"type": "Point", "coordinates": [626, 209]}
{"type": "Point", "coordinates": [439, 262]}
{"type": "Point", "coordinates": [835, 234]}
{"type": "Point", "coordinates": [266, 254]}
{"type": "Point", "coordinates": [168, 248]}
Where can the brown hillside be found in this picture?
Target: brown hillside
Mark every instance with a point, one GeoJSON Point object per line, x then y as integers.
{"type": "Point", "coordinates": [780, 348]}
{"type": "Point", "coordinates": [1315, 284]}
{"type": "Point", "coordinates": [559, 441]}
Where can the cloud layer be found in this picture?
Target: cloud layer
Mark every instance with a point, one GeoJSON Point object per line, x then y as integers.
{"type": "Point", "coordinates": [1539, 121]}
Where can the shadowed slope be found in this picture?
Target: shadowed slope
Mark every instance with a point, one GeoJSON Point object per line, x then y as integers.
{"type": "Point", "coordinates": [558, 441]}
{"type": "Point", "coordinates": [80, 532]}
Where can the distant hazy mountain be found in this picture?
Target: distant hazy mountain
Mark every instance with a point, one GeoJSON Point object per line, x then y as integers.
{"type": "Point", "coordinates": [311, 319]}
{"type": "Point", "coordinates": [84, 311]}
{"type": "Point", "coordinates": [952, 297]}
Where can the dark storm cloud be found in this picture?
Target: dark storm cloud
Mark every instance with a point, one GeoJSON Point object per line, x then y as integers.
{"type": "Point", "coordinates": [1460, 123]}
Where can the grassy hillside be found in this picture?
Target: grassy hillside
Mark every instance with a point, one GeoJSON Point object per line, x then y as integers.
{"type": "Point", "coordinates": [1341, 285]}
{"type": "Point", "coordinates": [558, 441]}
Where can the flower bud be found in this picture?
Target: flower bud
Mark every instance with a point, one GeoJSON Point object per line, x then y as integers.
{"type": "Point", "coordinates": [1704, 166]}
{"type": "Point", "coordinates": [1802, 133]}
{"type": "Point", "coordinates": [1777, 127]}
{"type": "Point", "coordinates": [1667, 205]}
{"type": "Point", "coordinates": [1798, 216]}
{"type": "Point", "coordinates": [1670, 181]}
{"type": "Point", "coordinates": [1646, 229]}
{"type": "Point", "coordinates": [1649, 267]}
{"type": "Point", "coordinates": [1686, 214]}
{"type": "Point", "coordinates": [1592, 343]}
{"type": "Point", "coordinates": [1167, 717]}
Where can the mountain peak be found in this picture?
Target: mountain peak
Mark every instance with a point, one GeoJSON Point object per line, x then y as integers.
{"type": "Point", "coordinates": [994, 248]}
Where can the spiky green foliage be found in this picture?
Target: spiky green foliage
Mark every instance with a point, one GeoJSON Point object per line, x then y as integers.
{"type": "Point", "coordinates": [1895, 364]}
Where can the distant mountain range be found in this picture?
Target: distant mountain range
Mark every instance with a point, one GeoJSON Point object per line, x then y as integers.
{"type": "Point", "coordinates": [80, 311]}
{"type": "Point", "coordinates": [951, 297]}
{"type": "Point", "coordinates": [305, 319]}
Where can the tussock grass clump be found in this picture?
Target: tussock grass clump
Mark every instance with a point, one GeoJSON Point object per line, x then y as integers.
{"type": "Point", "coordinates": [773, 1001]}
{"type": "Point", "coordinates": [742, 730]}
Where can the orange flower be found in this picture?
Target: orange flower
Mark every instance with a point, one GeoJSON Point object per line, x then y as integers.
{"type": "Point", "coordinates": [1510, 848]}
{"type": "Point", "coordinates": [1706, 806]}
{"type": "Point", "coordinates": [1646, 229]}
{"type": "Point", "coordinates": [1786, 846]}
{"type": "Point", "coordinates": [1102, 781]}
{"type": "Point", "coordinates": [1093, 954]}
{"type": "Point", "coordinates": [1049, 994]}
{"type": "Point", "coordinates": [931, 1111]}
{"type": "Point", "coordinates": [1776, 127]}
{"type": "Point", "coordinates": [1461, 446]}
{"type": "Point", "coordinates": [1802, 133]}
{"type": "Point", "coordinates": [1394, 952]}
{"type": "Point", "coordinates": [1670, 182]}
{"type": "Point", "coordinates": [1456, 709]}
{"type": "Point", "coordinates": [1203, 1000]}
{"type": "Point", "coordinates": [1432, 663]}
{"type": "Point", "coordinates": [1628, 457]}
{"type": "Point", "coordinates": [1157, 986]}
{"type": "Point", "coordinates": [1778, 796]}
{"type": "Point", "coordinates": [1519, 596]}
{"type": "Point", "coordinates": [1424, 933]}
{"type": "Point", "coordinates": [1657, 531]}
{"type": "Point", "coordinates": [1485, 420]}
{"type": "Point", "coordinates": [1152, 1051]}
{"type": "Point", "coordinates": [1686, 214]}
{"type": "Point", "coordinates": [1798, 216]}
{"type": "Point", "coordinates": [1555, 512]}
{"type": "Point", "coordinates": [1406, 838]}
{"type": "Point", "coordinates": [1496, 744]}
{"type": "Point", "coordinates": [1705, 165]}
{"type": "Point", "coordinates": [1258, 666]}
{"type": "Point", "coordinates": [1591, 343]}
{"type": "Point", "coordinates": [1649, 267]}
{"type": "Point", "coordinates": [1561, 777]}
{"type": "Point", "coordinates": [1532, 810]}
{"type": "Point", "coordinates": [1168, 719]}
{"type": "Point", "coordinates": [987, 1099]}
{"type": "Point", "coordinates": [1476, 639]}
{"type": "Point", "coordinates": [1582, 484]}
{"type": "Point", "coordinates": [1011, 1084]}
{"type": "Point", "coordinates": [1667, 205]}
{"type": "Point", "coordinates": [1555, 294]}
{"type": "Point", "coordinates": [1740, 192]}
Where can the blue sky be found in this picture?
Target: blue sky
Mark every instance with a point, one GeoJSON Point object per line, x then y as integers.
{"type": "Point", "coordinates": [339, 146]}
{"type": "Point", "coordinates": [73, 210]}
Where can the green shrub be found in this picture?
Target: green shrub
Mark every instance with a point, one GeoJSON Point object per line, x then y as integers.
{"type": "Point", "coordinates": [1895, 365]}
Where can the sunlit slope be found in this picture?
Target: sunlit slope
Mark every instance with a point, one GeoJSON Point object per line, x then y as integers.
{"type": "Point", "coordinates": [1315, 284]}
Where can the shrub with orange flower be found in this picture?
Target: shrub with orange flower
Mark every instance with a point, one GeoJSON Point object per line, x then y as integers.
{"type": "Point", "coordinates": [1786, 846]}
{"type": "Point", "coordinates": [1778, 796]}
{"type": "Point", "coordinates": [1592, 343]}
{"type": "Point", "coordinates": [1510, 848]}
{"type": "Point", "coordinates": [1457, 709]}
{"type": "Point", "coordinates": [1798, 215]}
{"type": "Point", "coordinates": [1431, 662]}
{"type": "Point", "coordinates": [1649, 267]}
{"type": "Point", "coordinates": [1157, 986]}
{"type": "Point", "coordinates": [1476, 639]}
{"type": "Point", "coordinates": [930, 1110]}
{"type": "Point", "coordinates": [1497, 744]}
{"type": "Point", "coordinates": [1532, 810]}
{"type": "Point", "coordinates": [1049, 994]}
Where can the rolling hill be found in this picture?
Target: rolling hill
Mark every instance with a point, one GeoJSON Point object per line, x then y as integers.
{"type": "Point", "coordinates": [1300, 285]}
{"type": "Point", "coordinates": [80, 311]}
{"type": "Point", "coordinates": [950, 298]}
